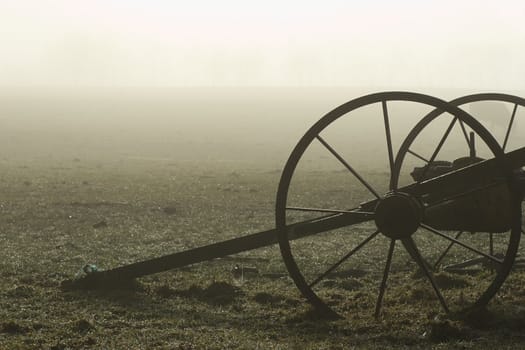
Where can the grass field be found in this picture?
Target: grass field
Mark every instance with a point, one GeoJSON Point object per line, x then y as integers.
{"type": "Point", "coordinates": [109, 196]}
{"type": "Point", "coordinates": [47, 235]}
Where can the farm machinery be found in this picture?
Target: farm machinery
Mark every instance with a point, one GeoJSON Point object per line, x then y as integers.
{"type": "Point", "coordinates": [460, 215]}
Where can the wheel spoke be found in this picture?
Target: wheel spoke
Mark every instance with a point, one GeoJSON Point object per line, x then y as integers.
{"type": "Point", "coordinates": [334, 211]}
{"type": "Point", "coordinates": [388, 136]}
{"type": "Point", "coordinates": [464, 132]}
{"type": "Point", "coordinates": [447, 249]}
{"type": "Point", "coordinates": [507, 134]}
{"type": "Point", "coordinates": [411, 247]}
{"type": "Point", "coordinates": [343, 259]}
{"type": "Point", "coordinates": [382, 288]}
{"type": "Point", "coordinates": [438, 148]}
{"type": "Point", "coordinates": [347, 166]}
{"type": "Point", "coordinates": [464, 245]}
{"type": "Point", "coordinates": [417, 156]}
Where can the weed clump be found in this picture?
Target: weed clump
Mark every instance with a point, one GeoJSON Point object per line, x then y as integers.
{"type": "Point", "coordinates": [11, 327]}
{"type": "Point", "coordinates": [100, 224]}
{"type": "Point", "coordinates": [220, 293]}
{"type": "Point", "coordinates": [21, 292]}
{"type": "Point", "coordinates": [444, 331]}
{"type": "Point", "coordinates": [351, 284]}
{"type": "Point", "coordinates": [82, 326]}
{"type": "Point", "coordinates": [421, 293]}
{"type": "Point", "coordinates": [170, 210]}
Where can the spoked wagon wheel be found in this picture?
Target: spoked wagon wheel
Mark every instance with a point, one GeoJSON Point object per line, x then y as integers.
{"type": "Point", "coordinates": [500, 114]}
{"type": "Point", "coordinates": [336, 270]}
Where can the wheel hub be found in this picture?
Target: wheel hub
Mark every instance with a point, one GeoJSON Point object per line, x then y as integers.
{"type": "Point", "coordinates": [398, 215]}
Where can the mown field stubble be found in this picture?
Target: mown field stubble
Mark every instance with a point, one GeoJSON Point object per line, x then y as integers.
{"type": "Point", "coordinates": [63, 211]}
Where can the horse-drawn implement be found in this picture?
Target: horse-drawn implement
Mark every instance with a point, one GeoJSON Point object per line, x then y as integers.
{"type": "Point", "coordinates": [456, 216]}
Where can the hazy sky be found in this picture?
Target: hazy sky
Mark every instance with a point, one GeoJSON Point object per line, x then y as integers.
{"type": "Point", "coordinates": [402, 44]}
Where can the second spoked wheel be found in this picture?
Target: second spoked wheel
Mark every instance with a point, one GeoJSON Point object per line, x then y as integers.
{"type": "Point", "coordinates": [359, 162]}
{"type": "Point", "coordinates": [502, 115]}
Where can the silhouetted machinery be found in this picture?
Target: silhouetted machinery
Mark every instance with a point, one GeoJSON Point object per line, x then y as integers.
{"type": "Point", "coordinates": [467, 211]}
{"type": "Point", "coordinates": [481, 211]}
